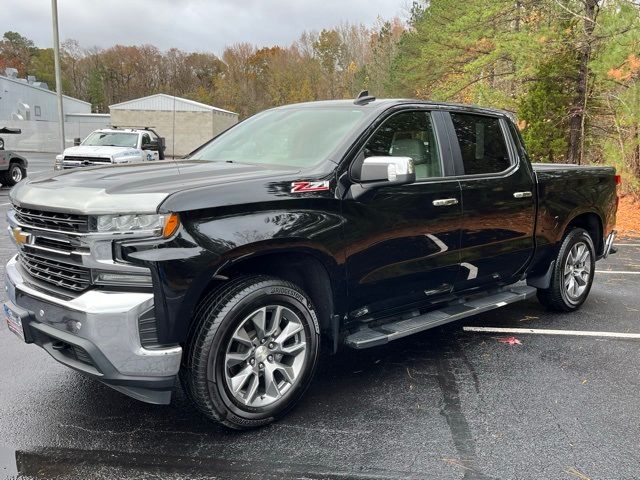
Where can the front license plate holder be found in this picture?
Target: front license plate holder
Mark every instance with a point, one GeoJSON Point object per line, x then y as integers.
{"type": "Point", "coordinates": [15, 320]}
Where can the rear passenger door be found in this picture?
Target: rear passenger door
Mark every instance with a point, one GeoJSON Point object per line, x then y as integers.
{"type": "Point", "coordinates": [498, 200]}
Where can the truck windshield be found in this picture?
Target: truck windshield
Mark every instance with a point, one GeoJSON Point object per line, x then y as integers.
{"type": "Point", "coordinates": [294, 137]}
{"type": "Point", "coordinates": [112, 139]}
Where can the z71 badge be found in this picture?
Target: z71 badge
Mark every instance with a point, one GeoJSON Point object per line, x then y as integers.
{"type": "Point", "coordinates": [301, 187]}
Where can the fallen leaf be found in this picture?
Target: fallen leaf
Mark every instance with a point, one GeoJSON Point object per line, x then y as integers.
{"type": "Point", "coordinates": [576, 473]}
{"type": "Point", "coordinates": [456, 463]}
{"type": "Point", "coordinates": [510, 340]}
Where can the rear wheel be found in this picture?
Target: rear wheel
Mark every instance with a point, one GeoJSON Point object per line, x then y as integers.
{"type": "Point", "coordinates": [253, 352]}
{"type": "Point", "coordinates": [572, 274]}
{"type": "Point", "coordinates": [13, 175]}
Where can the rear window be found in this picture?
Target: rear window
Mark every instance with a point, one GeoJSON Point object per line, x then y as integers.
{"type": "Point", "coordinates": [481, 143]}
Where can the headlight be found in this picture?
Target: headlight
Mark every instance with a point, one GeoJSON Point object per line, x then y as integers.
{"type": "Point", "coordinates": [126, 157]}
{"type": "Point", "coordinates": [157, 225]}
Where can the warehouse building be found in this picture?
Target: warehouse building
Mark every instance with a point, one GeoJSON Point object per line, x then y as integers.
{"type": "Point", "coordinates": [23, 99]}
{"type": "Point", "coordinates": [29, 105]}
{"type": "Point", "coordinates": [185, 124]}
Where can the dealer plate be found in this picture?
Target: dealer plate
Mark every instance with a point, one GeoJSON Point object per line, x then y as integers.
{"type": "Point", "coordinates": [14, 321]}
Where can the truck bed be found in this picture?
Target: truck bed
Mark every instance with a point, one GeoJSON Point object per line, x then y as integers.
{"type": "Point", "coordinates": [566, 191]}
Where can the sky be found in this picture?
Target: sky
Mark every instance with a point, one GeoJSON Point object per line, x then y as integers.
{"type": "Point", "coordinates": [190, 25]}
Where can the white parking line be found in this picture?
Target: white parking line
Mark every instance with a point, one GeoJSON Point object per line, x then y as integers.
{"type": "Point", "coordinates": [620, 272]}
{"type": "Point", "coordinates": [3, 204]}
{"type": "Point", "coordinates": [626, 245]}
{"type": "Point", "coordinates": [539, 331]}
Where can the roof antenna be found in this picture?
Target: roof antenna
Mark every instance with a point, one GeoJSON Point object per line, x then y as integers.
{"type": "Point", "coordinates": [363, 98]}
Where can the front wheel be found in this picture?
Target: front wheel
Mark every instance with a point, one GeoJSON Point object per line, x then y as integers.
{"type": "Point", "coordinates": [252, 353]}
{"type": "Point", "coordinates": [572, 274]}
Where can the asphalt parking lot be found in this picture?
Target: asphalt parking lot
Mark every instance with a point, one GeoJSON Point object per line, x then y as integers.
{"type": "Point", "coordinates": [444, 404]}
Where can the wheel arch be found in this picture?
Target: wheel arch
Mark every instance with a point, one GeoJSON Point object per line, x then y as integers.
{"type": "Point", "coordinates": [592, 222]}
{"type": "Point", "coordinates": [18, 159]}
{"type": "Point", "coordinates": [313, 271]}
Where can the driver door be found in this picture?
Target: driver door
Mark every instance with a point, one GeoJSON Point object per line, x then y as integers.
{"type": "Point", "coordinates": [148, 153]}
{"type": "Point", "coordinates": [403, 241]}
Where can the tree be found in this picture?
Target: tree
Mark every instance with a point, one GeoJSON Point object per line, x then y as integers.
{"type": "Point", "coordinates": [584, 47]}
{"type": "Point", "coordinates": [16, 52]}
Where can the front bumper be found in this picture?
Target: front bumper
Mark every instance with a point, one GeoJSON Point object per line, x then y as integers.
{"type": "Point", "coordinates": [97, 334]}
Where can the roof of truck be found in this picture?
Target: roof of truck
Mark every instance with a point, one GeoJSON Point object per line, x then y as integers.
{"type": "Point", "coordinates": [384, 103]}
{"type": "Point", "coordinates": [121, 130]}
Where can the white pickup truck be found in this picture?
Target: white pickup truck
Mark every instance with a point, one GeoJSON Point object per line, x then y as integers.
{"type": "Point", "coordinates": [110, 146]}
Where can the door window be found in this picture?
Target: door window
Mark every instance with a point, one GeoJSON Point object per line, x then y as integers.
{"type": "Point", "coordinates": [408, 134]}
{"type": "Point", "coordinates": [481, 143]}
{"type": "Point", "coordinates": [146, 140]}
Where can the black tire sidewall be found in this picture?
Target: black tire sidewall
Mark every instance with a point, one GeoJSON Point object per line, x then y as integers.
{"type": "Point", "coordinates": [276, 293]}
{"type": "Point", "coordinates": [575, 236]}
{"type": "Point", "coordinates": [8, 177]}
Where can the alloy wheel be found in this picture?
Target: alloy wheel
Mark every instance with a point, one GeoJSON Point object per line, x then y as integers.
{"type": "Point", "coordinates": [16, 174]}
{"type": "Point", "coordinates": [265, 356]}
{"type": "Point", "coordinates": [577, 271]}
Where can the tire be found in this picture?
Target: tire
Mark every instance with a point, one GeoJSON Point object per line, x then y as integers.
{"type": "Point", "coordinates": [13, 175]}
{"type": "Point", "coordinates": [572, 274]}
{"type": "Point", "coordinates": [241, 370]}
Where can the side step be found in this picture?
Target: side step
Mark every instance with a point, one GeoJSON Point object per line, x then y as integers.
{"type": "Point", "coordinates": [374, 336]}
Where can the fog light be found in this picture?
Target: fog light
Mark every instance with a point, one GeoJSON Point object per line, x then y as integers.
{"type": "Point", "coordinates": [125, 279]}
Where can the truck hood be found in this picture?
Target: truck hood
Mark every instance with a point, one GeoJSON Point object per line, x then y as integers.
{"type": "Point", "coordinates": [97, 151]}
{"type": "Point", "coordinates": [130, 188]}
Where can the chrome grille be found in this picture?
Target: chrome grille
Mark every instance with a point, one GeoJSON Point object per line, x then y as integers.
{"type": "Point", "coordinates": [54, 244]}
{"type": "Point", "coordinates": [64, 222]}
{"type": "Point", "coordinates": [61, 274]}
{"type": "Point", "coordinates": [99, 160]}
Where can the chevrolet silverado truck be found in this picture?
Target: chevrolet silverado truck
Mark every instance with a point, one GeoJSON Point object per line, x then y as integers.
{"type": "Point", "coordinates": [109, 146]}
{"type": "Point", "coordinates": [338, 223]}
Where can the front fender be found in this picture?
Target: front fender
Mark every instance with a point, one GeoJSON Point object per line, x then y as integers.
{"type": "Point", "coordinates": [208, 246]}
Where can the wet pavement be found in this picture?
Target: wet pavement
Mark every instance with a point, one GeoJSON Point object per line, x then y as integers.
{"type": "Point", "coordinates": [443, 404]}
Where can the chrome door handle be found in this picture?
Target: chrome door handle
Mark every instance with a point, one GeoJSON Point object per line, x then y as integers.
{"type": "Point", "coordinates": [445, 202]}
{"type": "Point", "coordinates": [522, 194]}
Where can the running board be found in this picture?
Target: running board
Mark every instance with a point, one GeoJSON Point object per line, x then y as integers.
{"type": "Point", "coordinates": [374, 336]}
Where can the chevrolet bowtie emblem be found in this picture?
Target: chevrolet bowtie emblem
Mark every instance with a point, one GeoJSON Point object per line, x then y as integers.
{"type": "Point", "coordinates": [19, 236]}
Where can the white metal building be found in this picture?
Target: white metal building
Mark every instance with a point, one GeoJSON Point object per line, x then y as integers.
{"type": "Point", "coordinates": [185, 124]}
{"type": "Point", "coordinates": [27, 99]}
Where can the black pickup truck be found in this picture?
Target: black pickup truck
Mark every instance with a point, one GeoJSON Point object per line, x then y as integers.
{"type": "Point", "coordinates": [350, 223]}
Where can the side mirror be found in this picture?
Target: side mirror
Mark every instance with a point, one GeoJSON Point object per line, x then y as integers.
{"type": "Point", "coordinates": [151, 146]}
{"type": "Point", "coordinates": [382, 171]}
{"type": "Point", "coordinates": [77, 141]}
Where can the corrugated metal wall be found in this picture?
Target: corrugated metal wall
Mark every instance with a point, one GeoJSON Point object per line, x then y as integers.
{"type": "Point", "coordinates": [45, 136]}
